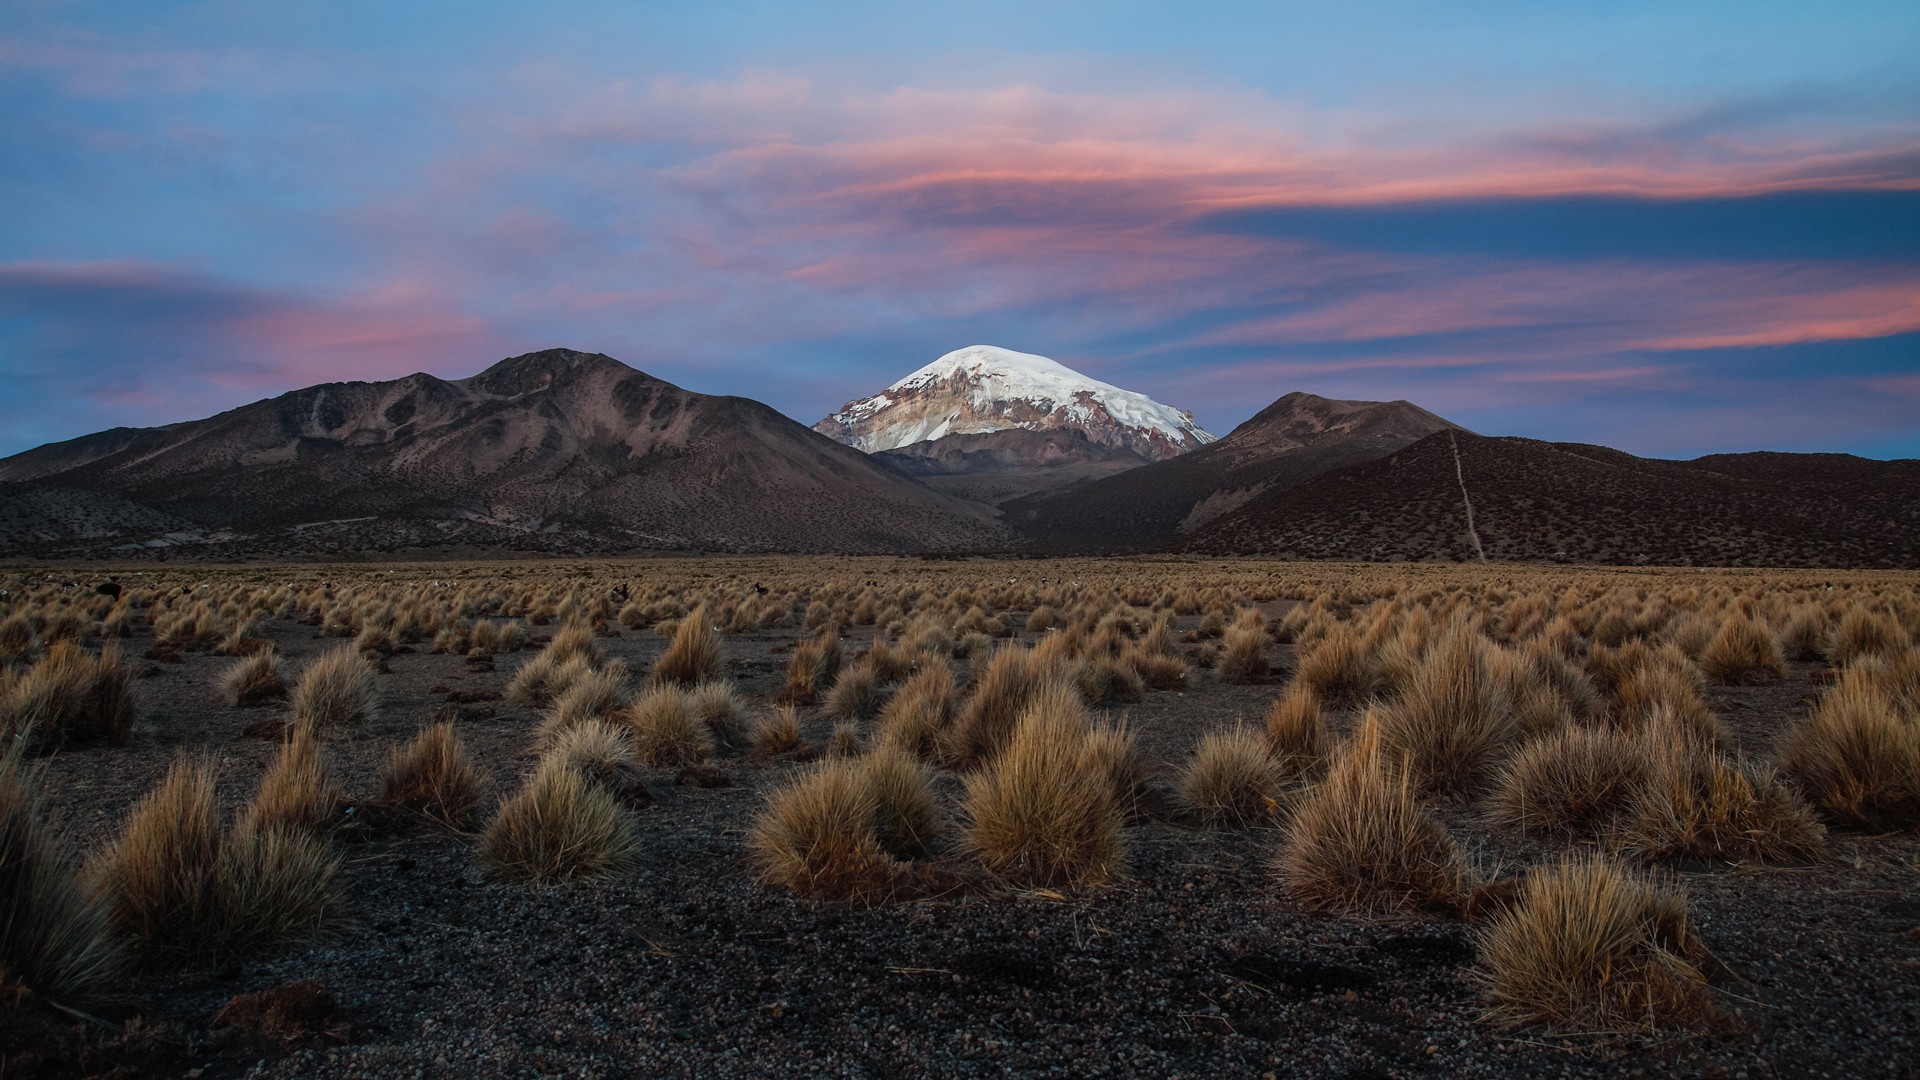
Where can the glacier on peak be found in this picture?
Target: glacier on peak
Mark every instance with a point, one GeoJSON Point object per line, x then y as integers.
{"type": "Point", "coordinates": [984, 388]}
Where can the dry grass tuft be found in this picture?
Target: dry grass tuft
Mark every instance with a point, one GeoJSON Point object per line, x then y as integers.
{"type": "Point", "coordinates": [1452, 724]}
{"type": "Point", "coordinates": [435, 776]}
{"type": "Point", "coordinates": [907, 816]}
{"type": "Point", "coordinates": [667, 730]}
{"type": "Point", "coordinates": [336, 692]}
{"type": "Point", "coordinates": [1588, 947]}
{"type": "Point", "coordinates": [558, 828]}
{"type": "Point", "coordinates": [53, 933]}
{"type": "Point", "coordinates": [297, 792]}
{"type": "Point", "coordinates": [693, 657]}
{"type": "Point", "coordinates": [1856, 757]}
{"type": "Point", "coordinates": [1863, 632]}
{"type": "Point", "coordinates": [1244, 658]}
{"type": "Point", "coordinates": [1742, 653]}
{"type": "Point", "coordinates": [916, 715]}
{"type": "Point", "coordinates": [817, 836]}
{"type": "Point", "coordinates": [1231, 780]}
{"type": "Point", "coordinates": [777, 732]}
{"type": "Point", "coordinates": [1045, 811]}
{"type": "Point", "coordinates": [723, 710]}
{"type": "Point", "coordinates": [1360, 841]}
{"type": "Point", "coordinates": [987, 719]}
{"type": "Point", "coordinates": [71, 695]}
{"type": "Point", "coordinates": [813, 664]}
{"type": "Point", "coordinates": [858, 693]}
{"type": "Point", "coordinates": [1697, 803]}
{"type": "Point", "coordinates": [1574, 782]}
{"type": "Point", "coordinates": [1338, 668]}
{"type": "Point", "coordinates": [254, 680]}
{"type": "Point", "coordinates": [588, 694]}
{"type": "Point", "coordinates": [156, 877]}
{"type": "Point", "coordinates": [1297, 733]}
{"type": "Point", "coordinates": [176, 888]}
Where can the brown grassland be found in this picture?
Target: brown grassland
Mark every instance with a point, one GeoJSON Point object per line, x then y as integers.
{"type": "Point", "coordinates": [879, 816]}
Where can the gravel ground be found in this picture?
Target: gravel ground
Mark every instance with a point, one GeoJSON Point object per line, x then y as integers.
{"type": "Point", "coordinates": [1195, 964]}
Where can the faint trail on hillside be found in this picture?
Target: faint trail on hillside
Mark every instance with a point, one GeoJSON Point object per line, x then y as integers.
{"type": "Point", "coordinates": [1461, 474]}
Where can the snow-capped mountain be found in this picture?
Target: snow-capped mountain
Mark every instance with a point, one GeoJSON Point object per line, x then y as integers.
{"type": "Point", "coordinates": [982, 389]}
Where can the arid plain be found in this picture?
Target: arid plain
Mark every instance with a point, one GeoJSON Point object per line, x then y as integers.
{"type": "Point", "coordinates": [877, 816]}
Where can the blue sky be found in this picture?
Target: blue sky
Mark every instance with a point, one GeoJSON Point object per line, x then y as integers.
{"type": "Point", "coordinates": [1674, 228]}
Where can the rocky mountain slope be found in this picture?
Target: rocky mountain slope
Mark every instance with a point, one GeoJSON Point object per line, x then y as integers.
{"type": "Point", "coordinates": [1296, 438]}
{"type": "Point", "coordinates": [984, 390]}
{"type": "Point", "coordinates": [556, 450]}
{"type": "Point", "coordinates": [1568, 502]}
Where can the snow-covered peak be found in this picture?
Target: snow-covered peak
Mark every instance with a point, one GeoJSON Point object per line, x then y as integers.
{"type": "Point", "coordinates": [984, 388]}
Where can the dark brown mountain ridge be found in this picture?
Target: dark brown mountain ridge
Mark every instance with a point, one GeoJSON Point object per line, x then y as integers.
{"type": "Point", "coordinates": [1572, 502]}
{"type": "Point", "coordinates": [558, 449]}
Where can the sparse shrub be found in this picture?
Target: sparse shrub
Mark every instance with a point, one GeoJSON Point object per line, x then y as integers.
{"type": "Point", "coordinates": [603, 756]}
{"type": "Point", "coordinates": [254, 680]}
{"type": "Point", "coordinates": [1657, 695]}
{"type": "Point", "coordinates": [336, 692]}
{"type": "Point", "coordinates": [71, 695]}
{"type": "Point", "coordinates": [53, 933]}
{"type": "Point", "coordinates": [1742, 653]}
{"type": "Point", "coordinates": [693, 656]}
{"type": "Point", "coordinates": [1157, 670]}
{"type": "Point", "coordinates": [845, 742]}
{"type": "Point", "coordinates": [1575, 781]}
{"type": "Point", "coordinates": [666, 729]}
{"type": "Point", "coordinates": [1360, 841]}
{"type": "Point", "coordinates": [1588, 947]}
{"type": "Point", "coordinates": [1856, 757]}
{"type": "Point", "coordinates": [1453, 724]}
{"type": "Point", "coordinates": [558, 828]}
{"type": "Point", "coordinates": [1297, 733]}
{"type": "Point", "coordinates": [435, 776]}
{"type": "Point", "coordinates": [19, 642]}
{"type": "Point", "coordinates": [1044, 811]}
{"type": "Point", "coordinates": [1231, 780]}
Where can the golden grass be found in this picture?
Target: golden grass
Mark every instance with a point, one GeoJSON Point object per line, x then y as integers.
{"type": "Point", "coordinates": [1000, 692]}
{"type": "Point", "coordinates": [53, 932]}
{"type": "Point", "coordinates": [434, 775]}
{"type": "Point", "coordinates": [1044, 811]}
{"type": "Point", "coordinates": [666, 729]}
{"type": "Point", "coordinates": [1742, 653]}
{"type": "Point", "coordinates": [817, 835]}
{"type": "Point", "coordinates": [1573, 782]}
{"type": "Point", "coordinates": [694, 654]}
{"type": "Point", "coordinates": [558, 828]}
{"type": "Point", "coordinates": [337, 692]}
{"type": "Point", "coordinates": [1296, 732]}
{"type": "Point", "coordinates": [1338, 669]}
{"type": "Point", "coordinates": [1360, 841]}
{"type": "Point", "coordinates": [1232, 781]}
{"type": "Point", "coordinates": [297, 791]}
{"type": "Point", "coordinates": [858, 693]}
{"type": "Point", "coordinates": [914, 718]}
{"type": "Point", "coordinates": [1452, 725]}
{"type": "Point", "coordinates": [254, 680]}
{"type": "Point", "coordinates": [1698, 803]}
{"type": "Point", "coordinates": [1856, 756]}
{"type": "Point", "coordinates": [1590, 948]}
{"type": "Point", "coordinates": [777, 732]}
{"type": "Point", "coordinates": [175, 888]}
{"type": "Point", "coordinates": [70, 695]}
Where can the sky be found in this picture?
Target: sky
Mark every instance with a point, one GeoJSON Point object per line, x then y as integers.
{"type": "Point", "coordinates": [1676, 228]}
